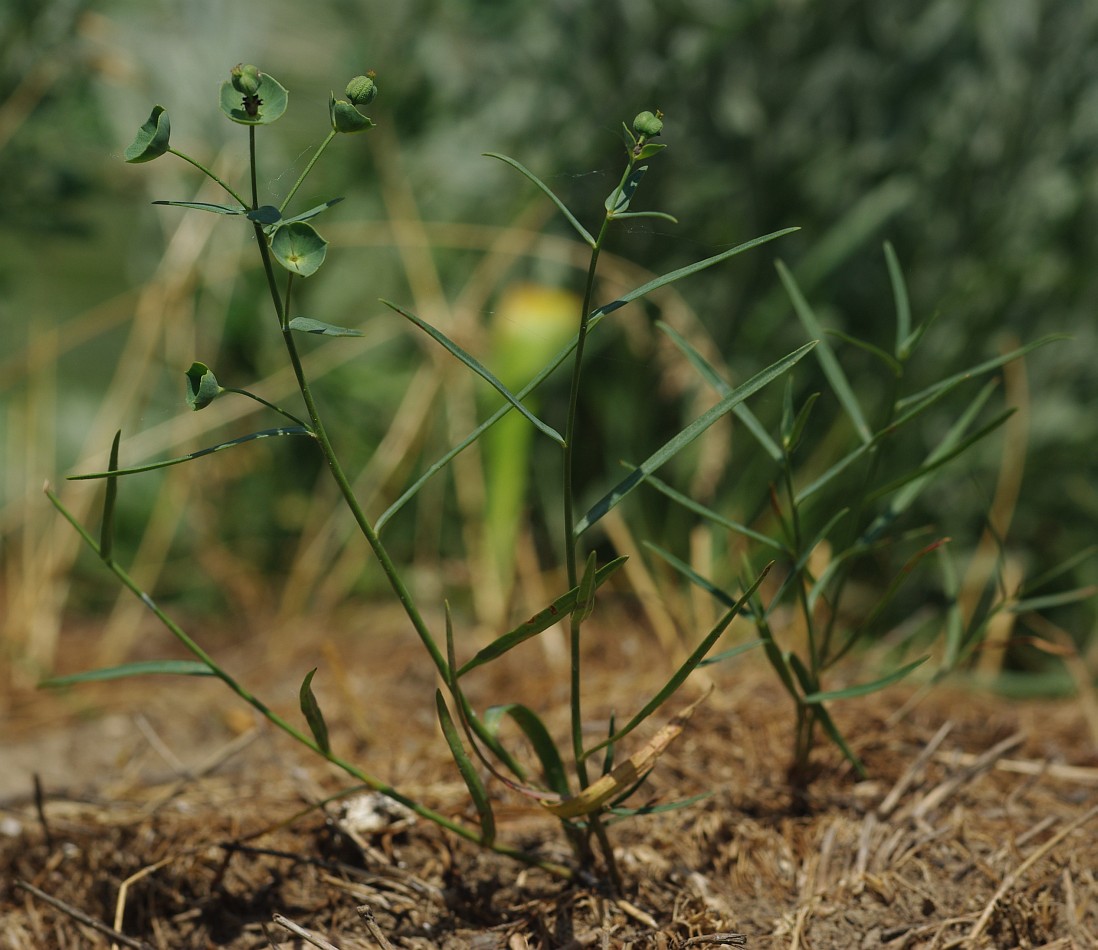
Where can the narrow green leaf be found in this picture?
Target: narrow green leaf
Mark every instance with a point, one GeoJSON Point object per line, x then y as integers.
{"type": "Point", "coordinates": [596, 317]}
{"type": "Point", "coordinates": [689, 665]}
{"type": "Point", "coordinates": [203, 206]}
{"type": "Point", "coordinates": [669, 278]}
{"type": "Point", "coordinates": [312, 212]}
{"type": "Point", "coordinates": [1054, 600]}
{"type": "Point", "coordinates": [863, 689]}
{"type": "Point", "coordinates": [310, 708]}
{"type": "Point", "coordinates": [710, 515]}
{"type": "Point", "coordinates": [141, 668]}
{"type": "Point", "coordinates": [562, 207]}
{"type": "Point", "coordinates": [733, 652]}
{"type": "Point", "coordinates": [685, 437]}
{"type": "Point", "coordinates": [662, 215]}
{"type": "Point", "coordinates": [482, 371]}
{"type": "Point", "coordinates": [265, 434]}
{"type": "Point", "coordinates": [473, 782]}
{"type": "Point", "coordinates": [917, 479]}
{"type": "Point", "coordinates": [309, 325]}
{"type": "Point", "coordinates": [828, 361]}
{"type": "Point", "coordinates": [711, 376]}
{"type": "Point", "coordinates": [106, 530]}
{"type": "Point", "coordinates": [621, 813]}
{"type": "Point", "coordinates": [791, 438]}
{"type": "Point", "coordinates": [691, 575]}
{"type": "Point", "coordinates": [837, 469]}
{"type": "Point", "coordinates": [779, 659]}
{"type": "Point", "coordinates": [1060, 569]}
{"type": "Point", "coordinates": [618, 200]}
{"type": "Point", "coordinates": [979, 369]}
{"type": "Point", "coordinates": [585, 599]}
{"type": "Point", "coordinates": [903, 304]}
{"type": "Point", "coordinates": [542, 620]}
{"type": "Point", "coordinates": [552, 766]}
{"type": "Point", "coordinates": [894, 365]}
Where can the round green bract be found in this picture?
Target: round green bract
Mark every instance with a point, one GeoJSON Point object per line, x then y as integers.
{"type": "Point", "coordinates": [272, 95]}
{"type": "Point", "coordinates": [346, 118]}
{"type": "Point", "coordinates": [152, 138]}
{"type": "Point", "coordinates": [299, 248]}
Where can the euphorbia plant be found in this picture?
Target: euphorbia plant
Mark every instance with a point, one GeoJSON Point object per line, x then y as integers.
{"type": "Point", "coordinates": [291, 249]}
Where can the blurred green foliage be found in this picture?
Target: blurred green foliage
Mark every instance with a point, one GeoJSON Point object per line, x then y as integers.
{"type": "Point", "coordinates": [966, 133]}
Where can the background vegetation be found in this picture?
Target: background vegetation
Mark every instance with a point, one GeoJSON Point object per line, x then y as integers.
{"type": "Point", "coordinates": [966, 133]}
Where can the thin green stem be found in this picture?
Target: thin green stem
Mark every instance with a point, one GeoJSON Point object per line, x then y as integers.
{"type": "Point", "coordinates": [308, 168]}
{"type": "Point", "coordinates": [269, 405]}
{"type": "Point", "coordinates": [470, 834]}
{"type": "Point", "coordinates": [209, 174]}
{"type": "Point", "coordinates": [252, 167]}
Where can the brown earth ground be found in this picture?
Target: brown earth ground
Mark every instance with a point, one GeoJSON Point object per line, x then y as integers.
{"type": "Point", "coordinates": [171, 818]}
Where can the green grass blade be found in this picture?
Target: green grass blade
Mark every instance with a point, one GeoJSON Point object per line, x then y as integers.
{"type": "Point", "coordinates": [477, 367]}
{"type": "Point", "coordinates": [689, 665]}
{"type": "Point", "coordinates": [561, 206]}
{"type": "Point", "coordinates": [542, 620]}
{"type": "Point", "coordinates": [864, 689]}
{"type": "Point", "coordinates": [828, 361]}
{"type": "Point", "coordinates": [979, 369]}
{"type": "Point", "coordinates": [585, 598]}
{"type": "Point", "coordinates": [1054, 600]}
{"type": "Point", "coordinates": [894, 365]}
{"type": "Point", "coordinates": [106, 530]}
{"type": "Point", "coordinates": [309, 325]}
{"type": "Point", "coordinates": [686, 436]}
{"type": "Point", "coordinates": [711, 376]}
{"type": "Point", "coordinates": [837, 469]}
{"type": "Point", "coordinates": [1060, 569]}
{"type": "Point", "coordinates": [902, 302]}
{"type": "Point", "coordinates": [473, 782]}
{"type": "Point", "coordinates": [552, 766]}
{"type": "Point", "coordinates": [152, 466]}
{"type": "Point", "coordinates": [139, 668]}
{"type": "Point", "coordinates": [310, 708]}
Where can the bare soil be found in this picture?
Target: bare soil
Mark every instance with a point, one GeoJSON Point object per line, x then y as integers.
{"type": "Point", "coordinates": [167, 816]}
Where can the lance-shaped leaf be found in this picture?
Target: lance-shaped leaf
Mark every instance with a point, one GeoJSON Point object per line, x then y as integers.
{"type": "Point", "coordinates": [709, 515]}
{"type": "Point", "coordinates": [312, 212]}
{"type": "Point", "coordinates": [265, 434]}
{"type": "Point", "coordinates": [202, 206]}
{"type": "Point", "coordinates": [686, 436]}
{"type": "Point", "coordinates": [152, 138]}
{"type": "Point", "coordinates": [828, 361]}
{"type": "Point", "coordinates": [624, 776]}
{"type": "Point", "coordinates": [597, 316]}
{"type": "Point", "coordinates": [299, 248]}
{"type": "Point", "coordinates": [309, 325]}
{"type": "Point", "coordinates": [482, 371]}
{"type": "Point", "coordinates": [572, 220]}
{"type": "Point", "coordinates": [904, 338]}
{"type": "Point", "coordinates": [622, 813]}
{"type": "Point", "coordinates": [618, 200]}
{"type": "Point", "coordinates": [585, 599]}
{"type": "Point", "coordinates": [542, 620]}
{"type": "Point", "coordinates": [711, 376]}
{"type": "Point", "coordinates": [310, 708]}
{"type": "Point", "coordinates": [473, 782]}
{"type": "Point", "coordinates": [863, 689]}
{"type": "Point", "coordinates": [140, 668]}
{"type": "Point", "coordinates": [552, 766]}
{"type": "Point", "coordinates": [689, 665]}
{"type": "Point", "coordinates": [106, 530]}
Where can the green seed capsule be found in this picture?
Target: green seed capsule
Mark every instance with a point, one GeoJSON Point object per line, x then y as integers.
{"type": "Point", "coordinates": [245, 79]}
{"type": "Point", "coordinates": [648, 123]}
{"type": "Point", "coordinates": [361, 90]}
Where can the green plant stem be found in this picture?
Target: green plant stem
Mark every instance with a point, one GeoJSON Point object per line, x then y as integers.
{"type": "Point", "coordinates": [275, 719]}
{"type": "Point", "coordinates": [308, 168]}
{"type": "Point", "coordinates": [269, 405]}
{"type": "Point", "coordinates": [209, 174]}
